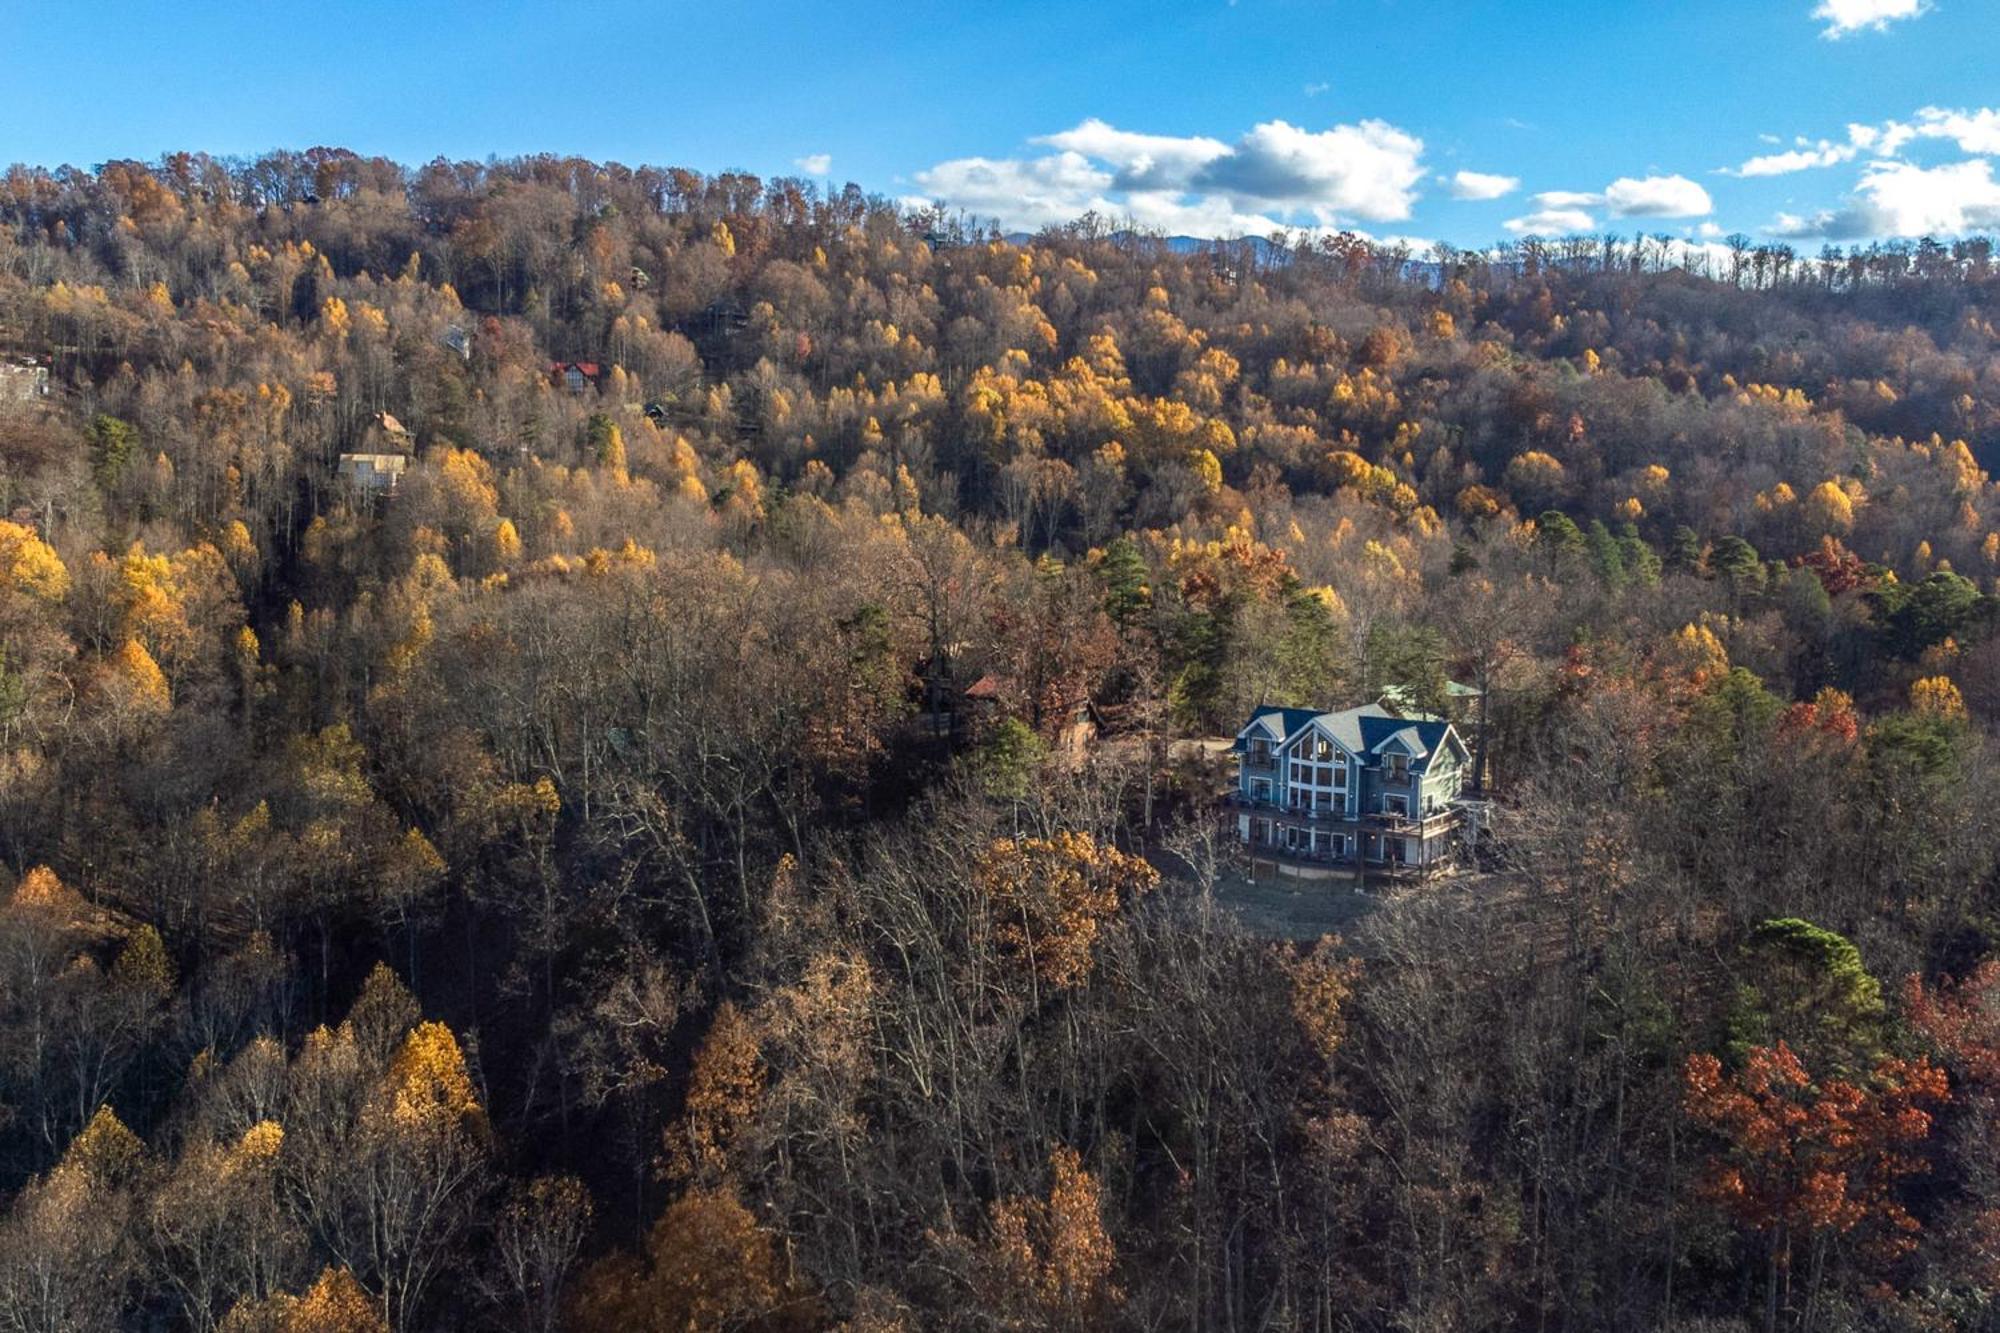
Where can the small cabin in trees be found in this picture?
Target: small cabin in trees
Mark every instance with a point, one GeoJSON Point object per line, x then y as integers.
{"type": "Point", "coordinates": [23, 380]}
{"type": "Point", "coordinates": [1374, 789]}
{"type": "Point", "coordinates": [576, 376]}
{"type": "Point", "coordinates": [373, 474]}
{"type": "Point", "coordinates": [1071, 726]}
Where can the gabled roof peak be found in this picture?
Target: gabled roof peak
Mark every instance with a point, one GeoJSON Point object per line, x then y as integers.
{"type": "Point", "coordinates": [1361, 730]}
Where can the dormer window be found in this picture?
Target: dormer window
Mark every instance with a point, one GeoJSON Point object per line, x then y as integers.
{"type": "Point", "coordinates": [1399, 767]}
{"type": "Point", "coordinates": [1260, 752]}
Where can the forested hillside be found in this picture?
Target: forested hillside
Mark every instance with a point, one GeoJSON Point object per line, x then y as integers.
{"type": "Point", "coordinates": [573, 889]}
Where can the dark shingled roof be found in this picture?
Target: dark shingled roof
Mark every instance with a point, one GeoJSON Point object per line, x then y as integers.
{"type": "Point", "coordinates": [1360, 730]}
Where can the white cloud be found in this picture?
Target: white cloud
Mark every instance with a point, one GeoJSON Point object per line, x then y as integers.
{"type": "Point", "coordinates": [1825, 153]}
{"type": "Point", "coordinates": [1315, 89]}
{"type": "Point", "coordinates": [1368, 171]}
{"type": "Point", "coordinates": [1973, 131]}
{"type": "Point", "coordinates": [1565, 199]}
{"type": "Point", "coordinates": [1482, 185]}
{"type": "Point", "coordinates": [1026, 195]}
{"type": "Point", "coordinates": [1844, 17]}
{"type": "Point", "coordinates": [1707, 256]}
{"type": "Point", "coordinates": [1901, 199]}
{"type": "Point", "coordinates": [1194, 185]}
{"type": "Point", "coordinates": [1552, 222]}
{"type": "Point", "coordinates": [1144, 161]}
{"type": "Point", "coordinates": [1208, 216]}
{"type": "Point", "coordinates": [1564, 212]}
{"type": "Point", "coordinates": [1658, 197]}
{"type": "Point", "coordinates": [814, 164]}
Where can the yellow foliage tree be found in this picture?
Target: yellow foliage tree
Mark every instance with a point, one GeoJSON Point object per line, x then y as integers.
{"type": "Point", "coordinates": [428, 1085]}
{"type": "Point", "coordinates": [506, 542]}
{"type": "Point", "coordinates": [1695, 653]}
{"type": "Point", "coordinates": [30, 564]}
{"type": "Point", "coordinates": [335, 1303]}
{"type": "Point", "coordinates": [105, 1149]}
{"type": "Point", "coordinates": [1536, 477]}
{"type": "Point", "coordinates": [1937, 696]}
{"type": "Point", "coordinates": [1829, 509]}
{"type": "Point", "coordinates": [40, 889]}
{"type": "Point", "coordinates": [138, 678]}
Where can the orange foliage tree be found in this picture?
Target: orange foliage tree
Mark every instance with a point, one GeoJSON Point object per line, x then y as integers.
{"type": "Point", "coordinates": [1051, 896]}
{"type": "Point", "coordinates": [707, 1265]}
{"type": "Point", "coordinates": [1051, 1259]}
{"type": "Point", "coordinates": [1804, 1163]}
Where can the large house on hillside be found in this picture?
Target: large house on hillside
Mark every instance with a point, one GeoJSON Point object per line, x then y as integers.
{"type": "Point", "coordinates": [1366, 790]}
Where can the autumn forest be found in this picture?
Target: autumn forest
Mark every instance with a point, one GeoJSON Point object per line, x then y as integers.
{"type": "Point", "coordinates": [543, 781]}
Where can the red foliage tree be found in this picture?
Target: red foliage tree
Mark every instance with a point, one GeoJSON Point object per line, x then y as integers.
{"type": "Point", "coordinates": [1806, 1162]}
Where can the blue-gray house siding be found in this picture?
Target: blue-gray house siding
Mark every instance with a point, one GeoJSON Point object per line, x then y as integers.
{"type": "Point", "coordinates": [1365, 786]}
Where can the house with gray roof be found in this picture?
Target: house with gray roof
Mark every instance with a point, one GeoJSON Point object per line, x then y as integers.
{"type": "Point", "coordinates": [1356, 792]}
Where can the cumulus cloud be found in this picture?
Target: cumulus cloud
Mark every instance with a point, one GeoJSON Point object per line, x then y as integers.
{"type": "Point", "coordinates": [1209, 216]}
{"type": "Point", "coordinates": [1974, 131]}
{"type": "Point", "coordinates": [1658, 197]}
{"type": "Point", "coordinates": [1144, 161]}
{"type": "Point", "coordinates": [1027, 194]}
{"type": "Point", "coordinates": [1368, 171]}
{"type": "Point", "coordinates": [1844, 17]}
{"type": "Point", "coordinates": [1552, 222]}
{"type": "Point", "coordinates": [1194, 185]}
{"type": "Point", "coordinates": [1480, 185]}
{"type": "Point", "coordinates": [814, 164]}
{"type": "Point", "coordinates": [1626, 197]}
{"type": "Point", "coordinates": [1901, 199]}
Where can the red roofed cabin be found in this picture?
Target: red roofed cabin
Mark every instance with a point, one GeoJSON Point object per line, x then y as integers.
{"type": "Point", "coordinates": [576, 376]}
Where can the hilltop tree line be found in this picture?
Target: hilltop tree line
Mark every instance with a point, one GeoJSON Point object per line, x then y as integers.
{"type": "Point", "coordinates": [641, 872]}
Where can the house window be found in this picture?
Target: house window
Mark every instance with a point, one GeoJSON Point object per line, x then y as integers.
{"type": "Point", "coordinates": [1340, 777]}
{"type": "Point", "coordinates": [1340, 844]}
{"type": "Point", "coordinates": [1399, 767]}
{"type": "Point", "coordinates": [1260, 832]}
{"type": "Point", "coordinates": [1322, 845]}
{"type": "Point", "coordinates": [1321, 750]}
{"type": "Point", "coordinates": [1260, 790]}
{"type": "Point", "coordinates": [1395, 804]}
{"type": "Point", "coordinates": [1260, 753]}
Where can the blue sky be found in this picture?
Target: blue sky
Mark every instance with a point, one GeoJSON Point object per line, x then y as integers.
{"type": "Point", "coordinates": [1200, 116]}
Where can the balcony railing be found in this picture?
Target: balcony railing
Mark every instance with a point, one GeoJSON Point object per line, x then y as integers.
{"type": "Point", "coordinates": [1351, 859]}
{"type": "Point", "coordinates": [1392, 821]}
{"type": "Point", "coordinates": [1328, 815]}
